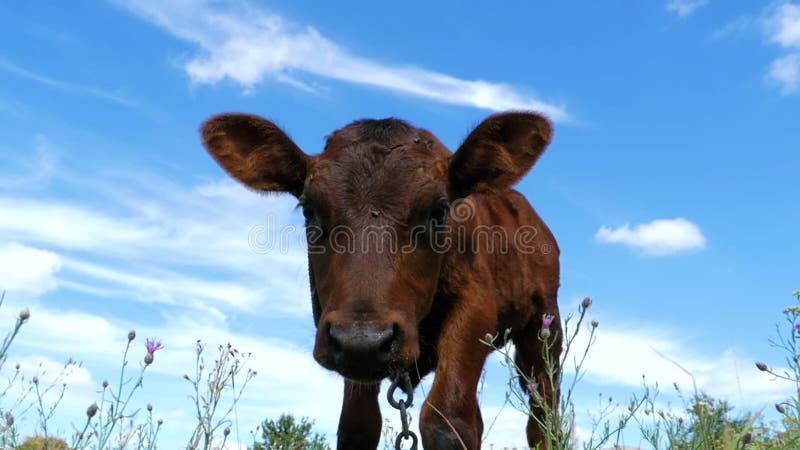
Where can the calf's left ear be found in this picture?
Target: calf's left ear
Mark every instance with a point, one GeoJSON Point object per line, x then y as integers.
{"type": "Point", "coordinates": [498, 153]}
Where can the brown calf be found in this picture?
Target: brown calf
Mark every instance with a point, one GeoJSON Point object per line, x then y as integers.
{"type": "Point", "coordinates": [415, 254]}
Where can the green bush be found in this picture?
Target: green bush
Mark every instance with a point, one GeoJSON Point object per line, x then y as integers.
{"type": "Point", "coordinates": [288, 434]}
{"type": "Point", "coordinates": [40, 443]}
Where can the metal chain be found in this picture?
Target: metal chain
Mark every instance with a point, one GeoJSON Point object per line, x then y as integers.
{"type": "Point", "coordinates": [402, 405]}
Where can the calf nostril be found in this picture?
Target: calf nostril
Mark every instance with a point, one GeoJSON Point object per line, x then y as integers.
{"type": "Point", "coordinates": [389, 339]}
{"type": "Point", "coordinates": [335, 345]}
{"type": "Point", "coordinates": [386, 339]}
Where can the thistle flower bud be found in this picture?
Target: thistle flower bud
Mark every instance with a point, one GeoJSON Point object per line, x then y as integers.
{"type": "Point", "coordinates": [544, 333]}
{"type": "Point", "coordinates": [488, 338]}
{"type": "Point", "coordinates": [761, 366]}
{"type": "Point", "coordinates": [35, 379]}
{"type": "Point", "coordinates": [781, 408]}
{"type": "Point", "coordinates": [131, 335]}
{"type": "Point", "coordinates": [105, 384]}
{"type": "Point", "coordinates": [226, 431]}
{"type": "Point", "coordinates": [149, 407]}
{"type": "Point", "coordinates": [186, 376]}
{"type": "Point", "coordinates": [9, 419]}
{"type": "Point", "coordinates": [160, 422]}
{"type": "Point", "coordinates": [595, 323]}
{"type": "Point", "coordinates": [586, 303]}
{"type": "Point", "coordinates": [148, 359]}
{"type": "Point", "coordinates": [91, 410]}
{"type": "Point", "coordinates": [24, 314]}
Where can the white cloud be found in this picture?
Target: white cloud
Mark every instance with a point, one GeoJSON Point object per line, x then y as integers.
{"type": "Point", "coordinates": [786, 72]}
{"type": "Point", "coordinates": [782, 27]}
{"type": "Point", "coordinates": [248, 45]}
{"type": "Point", "coordinates": [621, 355]}
{"type": "Point", "coordinates": [659, 237]}
{"type": "Point", "coordinates": [27, 270]}
{"type": "Point", "coordinates": [684, 8]}
{"type": "Point", "coordinates": [155, 236]}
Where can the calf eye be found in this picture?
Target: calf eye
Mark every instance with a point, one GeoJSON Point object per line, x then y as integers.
{"type": "Point", "coordinates": [308, 212]}
{"type": "Point", "coordinates": [438, 215]}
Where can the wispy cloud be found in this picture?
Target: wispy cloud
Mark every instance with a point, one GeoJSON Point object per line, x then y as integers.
{"type": "Point", "coordinates": [622, 355]}
{"type": "Point", "coordinates": [65, 86]}
{"type": "Point", "coordinates": [786, 72]}
{"type": "Point", "coordinates": [659, 237]}
{"type": "Point", "coordinates": [684, 8]}
{"type": "Point", "coordinates": [782, 27]}
{"type": "Point", "coordinates": [248, 45]}
{"type": "Point", "coordinates": [27, 270]}
{"type": "Point", "coordinates": [30, 170]}
{"type": "Point", "coordinates": [150, 247]}
{"type": "Point", "coordinates": [735, 27]}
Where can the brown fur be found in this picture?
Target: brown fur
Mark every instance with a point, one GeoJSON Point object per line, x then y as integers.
{"type": "Point", "coordinates": [413, 305]}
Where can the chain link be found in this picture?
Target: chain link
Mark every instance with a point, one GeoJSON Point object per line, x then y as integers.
{"type": "Point", "coordinates": [402, 405]}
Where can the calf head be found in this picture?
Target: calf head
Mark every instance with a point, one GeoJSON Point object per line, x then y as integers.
{"type": "Point", "coordinates": [374, 201]}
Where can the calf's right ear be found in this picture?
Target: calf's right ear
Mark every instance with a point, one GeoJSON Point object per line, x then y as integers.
{"type": "Point", "coordinates": [256, 152]}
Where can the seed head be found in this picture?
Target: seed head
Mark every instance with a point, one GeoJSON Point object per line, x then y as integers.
{"type": "Point", "coordinates": [586, 303]}
{"type": "Point", "coordinates": [131, 335]}
{"type": "Point", "coordinates": [91, 410]}
{"type": "Point", "coordinates": [761, 366]}
{"type": "Point", "coordinates": [24, 314]}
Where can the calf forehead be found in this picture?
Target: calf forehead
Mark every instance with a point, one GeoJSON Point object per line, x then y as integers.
{"type": "Point", "coordinates": [378, 162]}
{"type": "Point", "coordinates": [378, 137]}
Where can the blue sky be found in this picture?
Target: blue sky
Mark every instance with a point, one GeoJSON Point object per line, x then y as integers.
{"type": "Point", "coordinates": [671, 184]}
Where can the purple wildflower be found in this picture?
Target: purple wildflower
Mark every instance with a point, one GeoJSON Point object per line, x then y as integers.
{"type": "Point", "coordinates": [797, 326]}
{"type": "Point", "coordinates": [547, 320]}
{"type": "Point", "coordinates": [152, 346]}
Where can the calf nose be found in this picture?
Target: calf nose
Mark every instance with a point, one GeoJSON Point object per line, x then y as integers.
{"type": "Point", "coordinates": [362, 341]}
